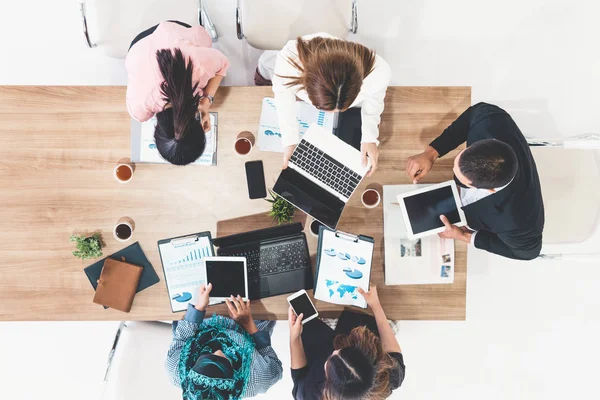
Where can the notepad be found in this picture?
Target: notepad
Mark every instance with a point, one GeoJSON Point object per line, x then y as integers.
{"type": "Point", "coordinates": [117, 284]}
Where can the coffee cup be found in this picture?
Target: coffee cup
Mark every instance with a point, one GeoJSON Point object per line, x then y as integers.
{"type": "Point", "coordinates": [123, 231]}
{"type": "Point", "coordinates": [243, 143]}
{"type": "Point", "coordinates": [370, 198]}
{"type": "Point", "coordinates": [314, 227]}
{"type": "Point", "coordinates": [123, 173]}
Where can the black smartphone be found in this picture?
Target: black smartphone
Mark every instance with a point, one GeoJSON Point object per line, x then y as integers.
{"type": "Point", "coordinates": [255, 175]}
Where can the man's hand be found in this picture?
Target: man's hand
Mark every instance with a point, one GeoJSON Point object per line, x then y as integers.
{"type": "Point", "coordinates": [454, 232]}
{"type": "Point", "coordinates": [418, 166]}
{"type": "Point", "coordinates": [295, 324]}
{"type": "Point", "coordinates": [203, 297]}
{"type": "Point", "coordinates": [239, 311]}
{"type": "Point", "coordinates": [370, 150]}
{"type": "Point", "coordinates": [287, 154]}
{"type": "Point", "coordinates": [371, 296]}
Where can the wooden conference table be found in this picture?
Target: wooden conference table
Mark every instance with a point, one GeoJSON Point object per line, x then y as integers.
{"type": "Point", "coordinates": [61, 144]}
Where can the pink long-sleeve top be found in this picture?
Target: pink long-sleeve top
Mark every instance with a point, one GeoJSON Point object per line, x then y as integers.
{"type": "Point", "coordinates": [144, 78]}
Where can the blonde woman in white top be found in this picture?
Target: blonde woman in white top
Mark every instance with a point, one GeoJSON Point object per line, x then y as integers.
{"type": "Point", "coordinates": [333, 75]}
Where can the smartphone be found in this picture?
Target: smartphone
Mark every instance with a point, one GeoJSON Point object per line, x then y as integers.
{"type": "Point", "coordinates": [255, 175]}
{"type": "Point", "coordinates": [301, 304]}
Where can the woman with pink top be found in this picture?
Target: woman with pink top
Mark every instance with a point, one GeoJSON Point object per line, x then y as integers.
{"type": "Point", "coordinates": [174, 74]}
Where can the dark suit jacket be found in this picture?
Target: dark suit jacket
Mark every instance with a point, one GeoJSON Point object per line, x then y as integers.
{"type": "Point", "coordinates": [509, 222]}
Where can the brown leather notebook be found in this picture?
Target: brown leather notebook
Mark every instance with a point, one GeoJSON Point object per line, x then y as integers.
{"type": "Point", "coordinates": [117, 284]}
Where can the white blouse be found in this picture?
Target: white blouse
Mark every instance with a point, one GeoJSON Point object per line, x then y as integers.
{"type": "Point", "coordinates": [369, 99]}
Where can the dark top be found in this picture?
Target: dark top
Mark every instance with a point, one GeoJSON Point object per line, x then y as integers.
{"type": "Point", "coordinates": [317, 339]}
{"type": "Point", "coordinates": [509, 222]}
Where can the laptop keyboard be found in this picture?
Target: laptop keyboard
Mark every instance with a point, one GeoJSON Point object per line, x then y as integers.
{"type": "Point", "coordinates": [274, 259]}
{"type": "Point", "coordinates": [326, 169]}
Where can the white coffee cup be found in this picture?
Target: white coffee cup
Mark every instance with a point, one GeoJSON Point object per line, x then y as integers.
{"type": "Point", "coordinates": [368, 192]}
{"type": "Point", "coordinates": [117, 178]}
{"type": "Point", "coordinates": [118, 228]}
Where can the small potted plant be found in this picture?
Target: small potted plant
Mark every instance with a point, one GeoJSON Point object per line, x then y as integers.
{"type": "Point", "coordinates": [87, 247]}
{"type": "Point", "coordinates": [282, 211]}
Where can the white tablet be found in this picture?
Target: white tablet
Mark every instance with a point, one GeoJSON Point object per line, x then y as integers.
{"type": "Point", "coordinates": [422, 208]}
{"type": "Point", "coordinates": [228, 275]}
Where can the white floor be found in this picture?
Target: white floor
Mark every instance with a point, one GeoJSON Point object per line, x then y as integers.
{"type": "Point", "coordinates": [531, 329]}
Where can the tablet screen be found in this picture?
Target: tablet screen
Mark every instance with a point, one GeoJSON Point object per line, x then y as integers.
{"type": "Point", "coordinates": [227, 278]}
{"type": "Point", "coordinates": [424, 209]}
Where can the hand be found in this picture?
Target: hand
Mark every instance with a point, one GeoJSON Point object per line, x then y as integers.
{"type": "Point", "coordinates": [454, 232]}
{"type": "Point", "coordinates": [371, 296]}
{"type": "Point", "coordinates": [417, 167]}
{"type": "Point", "coordinates": [287, 154]}
{"type": "Point", "coordinates": [295, 324]}
{"type": "Point", "coordinates": [372, 151]}
{"type": "Point", "coordinates": [203, 297]}
{"type": "Point", "coordinates": [205, 121]}
{"type": "Point", "coordinates": [239, 311]}
{"type": "Point", "coordinates": [203, 108]}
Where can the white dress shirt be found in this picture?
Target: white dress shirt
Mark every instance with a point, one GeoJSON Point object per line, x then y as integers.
{"type": "Point", "coordinates": [369, 99]}
{"type": "Point", "coordinates": [471, 195]}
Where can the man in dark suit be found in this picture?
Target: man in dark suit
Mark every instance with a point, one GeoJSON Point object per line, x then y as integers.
{"type": "Point", "coordinates": [499, 184]}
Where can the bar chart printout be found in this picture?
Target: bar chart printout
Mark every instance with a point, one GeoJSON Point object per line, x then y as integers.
{"type": "Point", "coordinates": [184, 269]}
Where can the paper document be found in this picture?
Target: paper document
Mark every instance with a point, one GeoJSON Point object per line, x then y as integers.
{"type": "Point", "coordinates": [269, 135]}
{"type": "Point", "coordinates": [344, 266]}
{"type": "Point", "coordinates": [143, 147]}
{"type": "Point", "coordinates": [184, 269]}
{"type": "Point", "coordinates": [409, 262]}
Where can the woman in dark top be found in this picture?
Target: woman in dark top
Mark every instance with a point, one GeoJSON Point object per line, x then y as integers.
{"type": "Point", "coordinates": [361, 359]}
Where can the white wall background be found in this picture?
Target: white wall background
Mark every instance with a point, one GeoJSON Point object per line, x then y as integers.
{"type": "Point", "coordinates": [532, 328]}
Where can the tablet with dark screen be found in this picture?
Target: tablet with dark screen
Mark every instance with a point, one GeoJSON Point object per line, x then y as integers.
{"type": "Point", "coordinates": [228, 276]}
{"type": "Point", "coordinates": [422, 209]}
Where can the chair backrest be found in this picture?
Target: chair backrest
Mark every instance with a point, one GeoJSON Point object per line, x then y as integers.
{"type": "Point", "coordinates": [138, 368]}
{"type": "Point", "coordinates": [113, 24]}
{"type": "Point", "coordinates": [570, 180]}
{"type": "Point", "coordinates": [269, 24]}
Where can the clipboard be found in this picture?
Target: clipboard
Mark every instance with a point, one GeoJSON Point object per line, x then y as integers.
{"type": "Point", "coordinates": [182, 262]}
{"type": "Point", "coordinates": [350, 265]}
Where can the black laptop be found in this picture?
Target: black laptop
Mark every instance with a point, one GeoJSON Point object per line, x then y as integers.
{"type": "Point", "coordinates": [277, 258]}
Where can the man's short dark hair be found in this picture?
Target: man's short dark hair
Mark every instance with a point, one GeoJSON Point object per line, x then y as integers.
{"type": "Point", "coordinates": [488, 164]}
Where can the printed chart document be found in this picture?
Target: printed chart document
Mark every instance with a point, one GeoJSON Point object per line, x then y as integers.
{"type": "Point", "coordinates": [143, 147]}
{"type": "Point", "coordinates": [182, 261]}
{"type": "Point", "coordinates": [426, 260]}
{"type": "Point", "coordinates": [343, 265]}
{"type": "Point", "coordinates": [269, 136]}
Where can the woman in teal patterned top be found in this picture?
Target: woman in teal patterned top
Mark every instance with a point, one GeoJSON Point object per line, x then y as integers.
{"type": "Point", "coordinates": [220, 357]}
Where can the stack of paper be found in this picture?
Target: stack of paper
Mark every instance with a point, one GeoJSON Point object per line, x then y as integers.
{"type": "Point", "coordinates": [143, 147]}
{"type": "Point", "coordinates": [269, 134]}
{"type": "Point", "coordinates": [410, 262]}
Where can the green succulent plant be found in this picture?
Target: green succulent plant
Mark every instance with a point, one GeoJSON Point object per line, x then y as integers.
{"type": "Point", "coordinates": [281, 211]}
{"type": "Point", "coordinates": [87, 247]}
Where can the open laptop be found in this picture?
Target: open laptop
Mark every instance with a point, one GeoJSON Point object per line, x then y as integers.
{"type": "Point", "coordinates": [322, 174]}
{"type": "Point", "coordinates": [277, 258]}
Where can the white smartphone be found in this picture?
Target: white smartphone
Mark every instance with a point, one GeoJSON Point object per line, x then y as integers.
{"type": "Point", "coordinates": [301, 304]}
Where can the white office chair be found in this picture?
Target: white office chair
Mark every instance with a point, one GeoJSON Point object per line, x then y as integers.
{"type": "Point", "coordinates": [269, 24]}
{"type": "Point", "coordinates": [111, 25]}
{"type": "Point", "coordinates": [136, 368]}
{"type": "Point", "coordinates": [569, 173]}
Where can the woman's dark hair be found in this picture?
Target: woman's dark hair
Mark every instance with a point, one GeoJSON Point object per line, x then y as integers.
{"type": "Point", "coordinates": [179, 136]}
{"type": "Point", "coordinates": [488, 164]}
{"type": "Point", "coordinates": [331, 71]}
{"type": "Point", "coordinates": [360, 370]}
